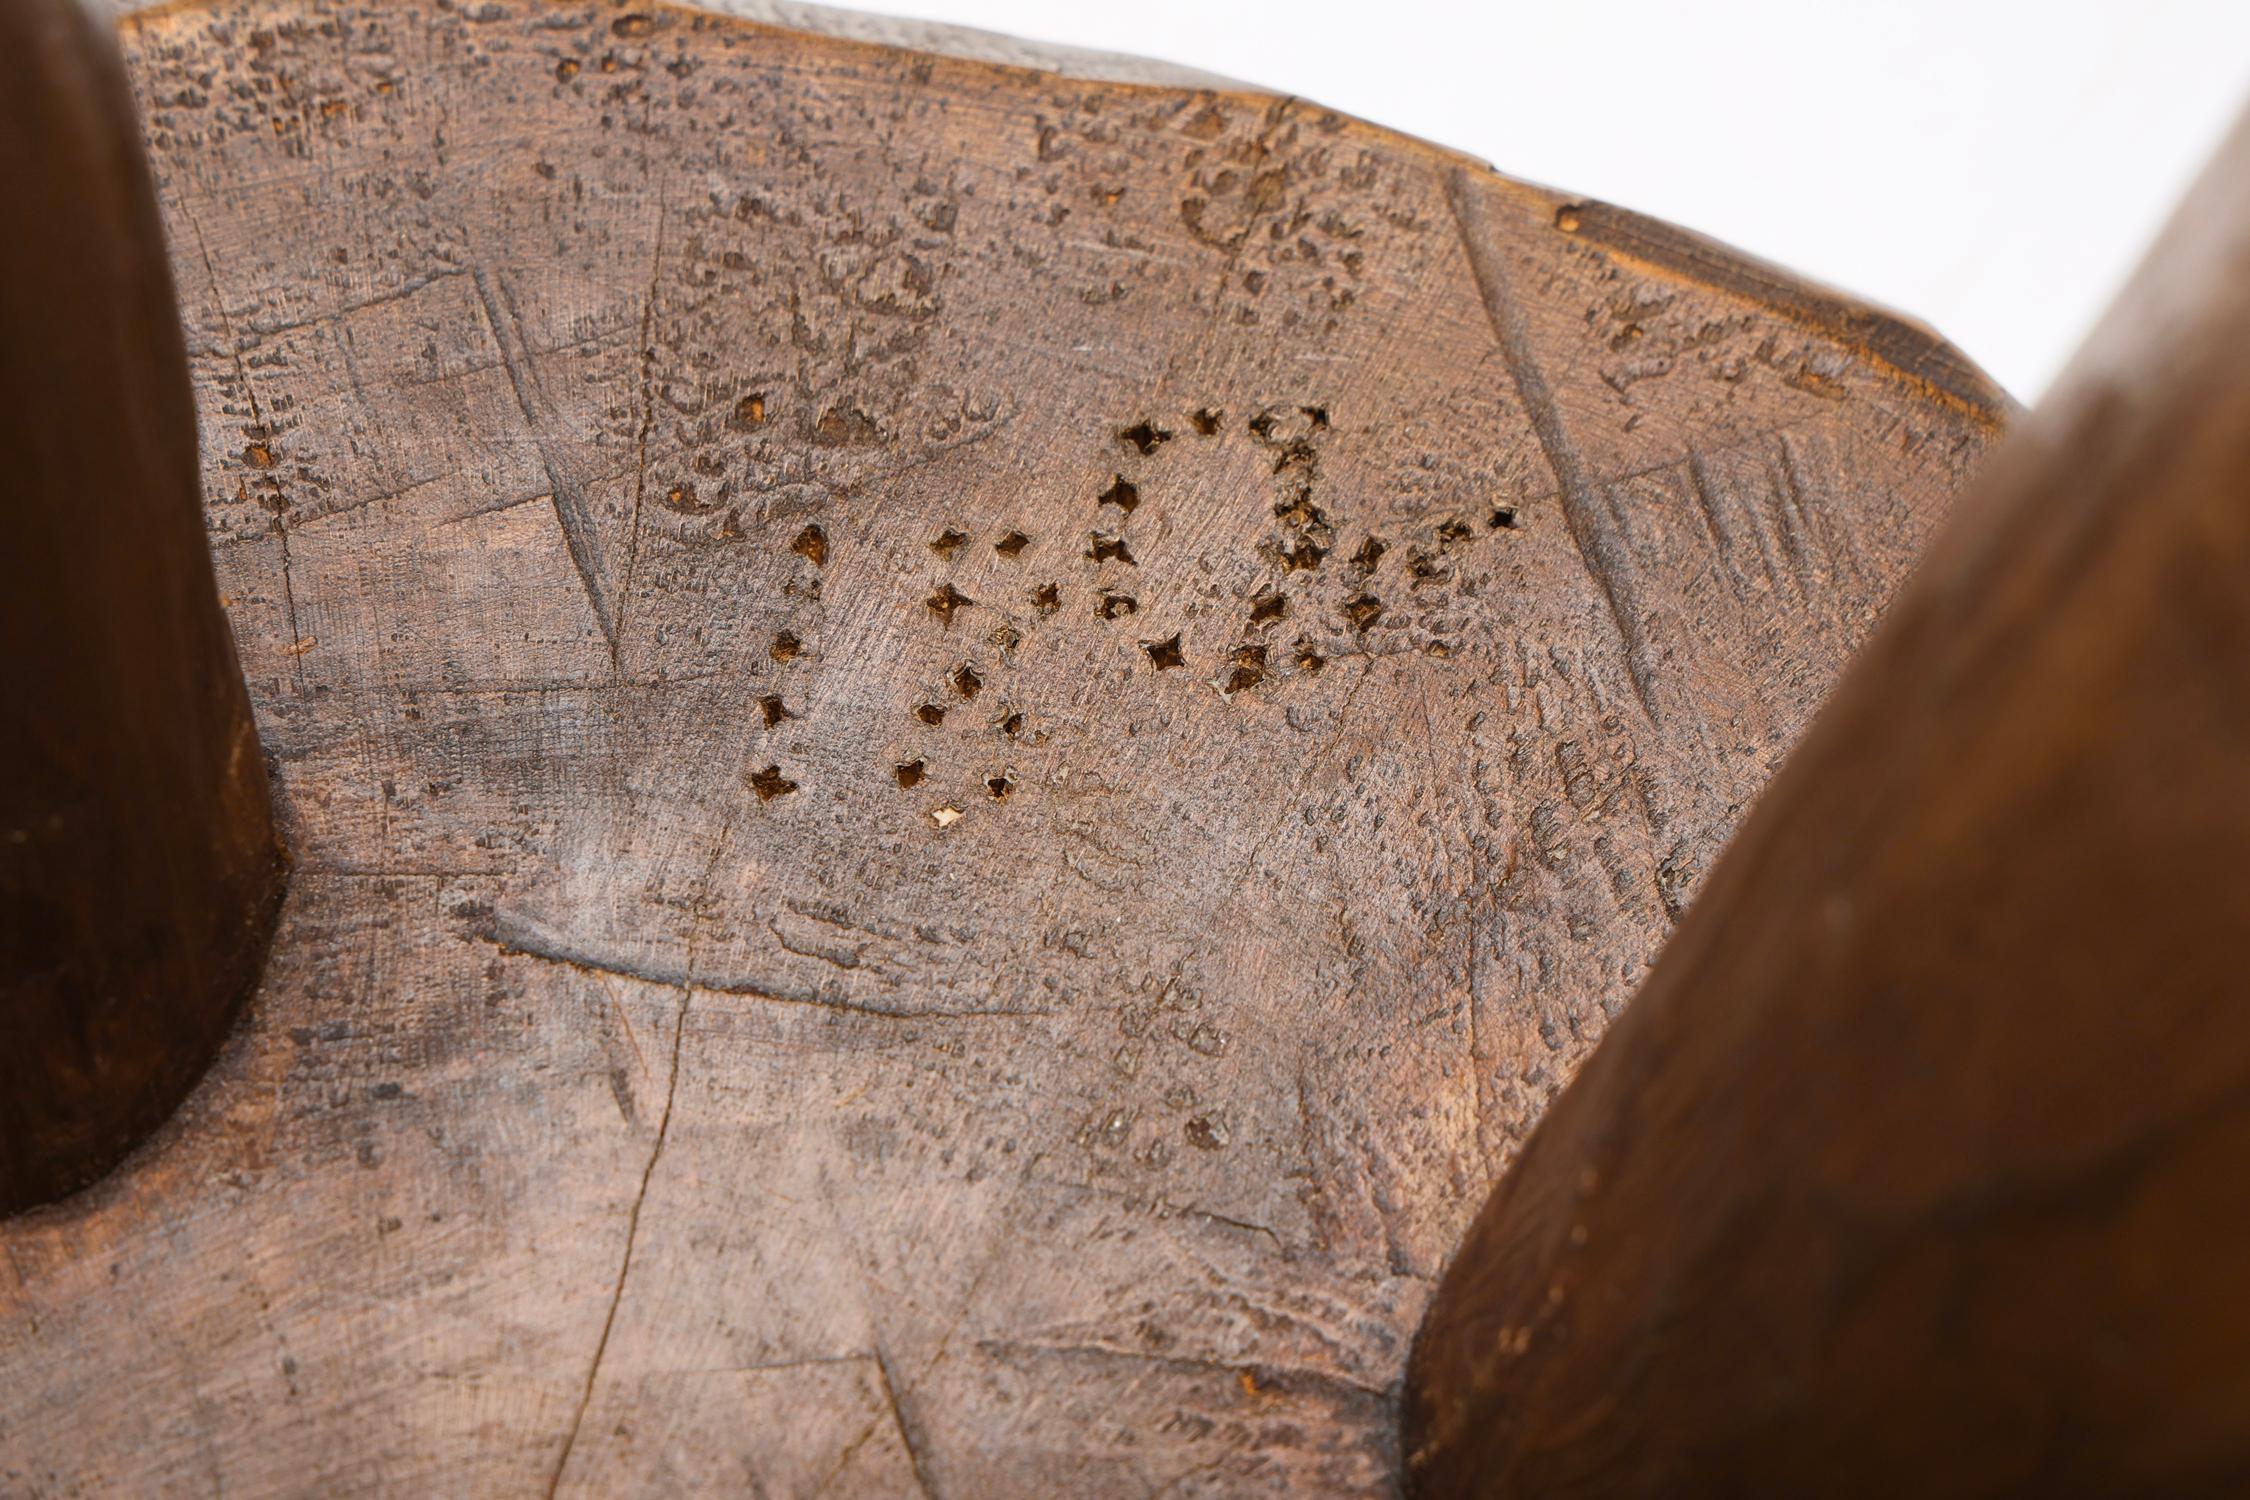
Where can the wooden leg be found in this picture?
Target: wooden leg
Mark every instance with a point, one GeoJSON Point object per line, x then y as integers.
{"type": "Point", "coordinates": [1922, 1163]}
{"type": "Point", "coordinates": [139, 868]}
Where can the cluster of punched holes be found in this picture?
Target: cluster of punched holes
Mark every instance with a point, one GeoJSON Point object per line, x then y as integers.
{"type": "Point", "coordinates": [769, 782]}
{"type": "Point", "coordinates": [946, 601]}
{"type": "Point", "coordinates": [965, 682]}
{"type": "Point", "coordinates": [1308, 537]}
{"type": "Point", "coordinates": [1245, 665]}
{"type": "Point", "coordinates": [1308, 542]}
{"type": "Point", "coordinates": [1106, 544]}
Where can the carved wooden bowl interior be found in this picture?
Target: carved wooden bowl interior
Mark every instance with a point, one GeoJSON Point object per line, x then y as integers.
{"type": "Point", "coordinates": [965, 746]}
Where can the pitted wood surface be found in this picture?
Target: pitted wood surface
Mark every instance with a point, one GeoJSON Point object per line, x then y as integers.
{"type": "Point", "coordinates": [965, 749]}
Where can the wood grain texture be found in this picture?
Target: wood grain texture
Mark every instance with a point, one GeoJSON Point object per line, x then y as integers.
{"type": "Point", "coordinates": [967, 749]}
{"type": "Point", "coordinates": [1917, 1167]}
{"type": "Point", "coordinates": [139, 874]}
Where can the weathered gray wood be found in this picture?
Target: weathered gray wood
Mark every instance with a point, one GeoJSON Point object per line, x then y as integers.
{"type": "Point", "coordinates": [678, 1067]}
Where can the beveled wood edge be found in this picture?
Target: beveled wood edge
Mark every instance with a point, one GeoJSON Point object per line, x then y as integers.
{"type": "Point", "coordinates": [1911, 351]}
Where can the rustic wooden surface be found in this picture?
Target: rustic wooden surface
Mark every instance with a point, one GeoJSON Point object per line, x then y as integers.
{"type": "Point", "coordinates": [1918, 1167]}
{"type": "Point", "coordinates": [139, 872]}
{"type": "Point", "coordinates": [965, 748]}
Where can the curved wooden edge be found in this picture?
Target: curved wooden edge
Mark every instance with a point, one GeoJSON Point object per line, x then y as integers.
{"type": "Point", "coordinates": [141, 874]}
{"type": "Point", "coordinates": [1917, 1165]}
{"type": "Point", "coordinates": [1915, 353]}
{"type": "Point", "coordinates": [1922, 360]}
{"type": "Point", "coordinates": [891, 33]}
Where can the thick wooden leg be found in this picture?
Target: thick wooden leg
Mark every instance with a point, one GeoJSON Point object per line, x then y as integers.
{"type": "Point", "coordinates": [139, 869]}
{"type": "Point", "coordinates": [1922, 1164]}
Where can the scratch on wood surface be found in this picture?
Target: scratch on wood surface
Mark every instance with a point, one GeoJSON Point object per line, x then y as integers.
{"type": "Point", "coordinates": [501, 506]}
{"type": "Point", "coordinates": [1721, 532]}
{"type": "Point", "coordinates": [1264, 1373]}
{"type": "Point", "coordinates": [337, 314]}
{"type": "Point", "coordinates": [571, 511]}
{"type": "Point", "coordinates": [906, 1429]}
{"type": "Point", "coordinates": [767, 1366]}
{"type": "Point", "coordinates": [1598, 544]}
{"type": "Point", "coordinates": [1796, 526]}
{"type": "Point", "coordinates": [1822, 521]}
{"type": "Point", "coordinates": [515, 934]}
{"type": "Point", "coordinates": [625, 1020]}
{"type": "Point", "coordinates": [1158, 1206]}
{"type": "Point", "coordinates": [648, 420]}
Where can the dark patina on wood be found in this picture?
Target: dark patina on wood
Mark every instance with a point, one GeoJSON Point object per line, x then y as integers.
{"type": "Point", "coordinates": [967, 745]}
{"type": "Point", "coordinates": [139, 872]}
{"type": "Point", "coordinates": [1918, 1167]}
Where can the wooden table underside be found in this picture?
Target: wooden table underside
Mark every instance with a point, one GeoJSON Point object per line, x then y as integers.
{"type": "Point", "coordinates": [689, 1058]}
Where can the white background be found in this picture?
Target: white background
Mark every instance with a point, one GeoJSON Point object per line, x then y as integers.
{"type": "Point", "coordinates": [1993, 168]}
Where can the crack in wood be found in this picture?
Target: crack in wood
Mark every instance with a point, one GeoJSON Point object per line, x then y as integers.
{"type": "Point", "coordinates": [648, 1172]}
{"type": "Point", "coordinates": [648, 420]}
{"type": "Point", "coordinates": [906, 1430]}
